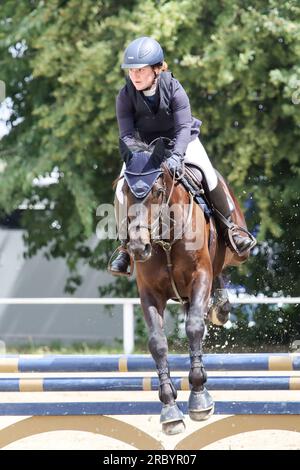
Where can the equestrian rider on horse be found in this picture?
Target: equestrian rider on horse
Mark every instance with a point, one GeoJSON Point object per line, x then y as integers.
{"type": "Point", "coordinates": [154, 104]}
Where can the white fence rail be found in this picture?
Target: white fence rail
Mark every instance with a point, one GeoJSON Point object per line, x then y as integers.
{"type": "Point", "coordinates": [128, 308]}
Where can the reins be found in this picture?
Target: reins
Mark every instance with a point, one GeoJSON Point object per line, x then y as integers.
{"type": "Point", "coordinates": [167, 246]}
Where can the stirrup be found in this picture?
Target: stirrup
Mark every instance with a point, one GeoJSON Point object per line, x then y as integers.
{"type": "Point", "coordinates": [230, 241]}
{"type": "Point", "coordinates": [231, 229]}
{"type": "Point", "coordinates": [115, 273]}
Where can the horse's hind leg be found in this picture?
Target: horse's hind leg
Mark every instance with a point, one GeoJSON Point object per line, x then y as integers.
{"type": "Point", "coordinates": [219, 311]}
{"type": "Point", "coordinates": [200, 403]}
{"type": "Point", "coordinates": [171, 417]}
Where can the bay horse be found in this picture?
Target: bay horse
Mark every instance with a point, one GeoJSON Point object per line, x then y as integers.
{"type": "Point", "coordinates": [169, 266]}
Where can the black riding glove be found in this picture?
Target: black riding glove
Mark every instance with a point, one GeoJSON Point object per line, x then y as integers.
{"type": "Point", "coordinates": [175, 164]}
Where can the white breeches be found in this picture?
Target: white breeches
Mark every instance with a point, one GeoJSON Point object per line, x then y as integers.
{"type": "Point", "coordinates": [195, 154]}
{"type": "Point", "coordinates": [119, 187]}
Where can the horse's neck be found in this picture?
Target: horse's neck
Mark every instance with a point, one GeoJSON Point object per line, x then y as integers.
{"type": "Point", "coordinates": [180, 208]}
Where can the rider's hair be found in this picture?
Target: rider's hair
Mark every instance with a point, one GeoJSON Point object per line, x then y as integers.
{"type": "Point", "coordinates": [163, 66]}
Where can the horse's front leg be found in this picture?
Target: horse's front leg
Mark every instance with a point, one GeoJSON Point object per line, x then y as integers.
{"type": "Point", "coordinates": [200, 403]}
{"type": "Point", "coordinates": [171, 417]}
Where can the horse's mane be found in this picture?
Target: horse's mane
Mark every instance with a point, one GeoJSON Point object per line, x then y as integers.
{"type": "Point", "coordinates": [140, 146]}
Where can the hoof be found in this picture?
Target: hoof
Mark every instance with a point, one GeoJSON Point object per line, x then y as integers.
{"type": "Point", "coordinates": [217, 316]}
{"type": "Point", "coordinates": [219, 311]}
{"type": "Point", "coordinates": [171, 413]}
{"type": "Point", "coordinates": [201, 415]}
{"type": "Point", "coordinates": [174, 427]}
{"type": "Point", "coordinates": [201, 405]}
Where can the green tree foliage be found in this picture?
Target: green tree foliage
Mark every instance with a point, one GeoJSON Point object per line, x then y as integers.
{"type": "Point", "coordinates": [272, 328]}
{"type": "Point", "coordinates": [239, 62]}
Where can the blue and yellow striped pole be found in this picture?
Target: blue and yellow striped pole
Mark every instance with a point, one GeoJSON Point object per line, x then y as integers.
{"type": "Point", "coordinates": [109, 384]}
{"type": "Point", "coordinates": [145, 363]}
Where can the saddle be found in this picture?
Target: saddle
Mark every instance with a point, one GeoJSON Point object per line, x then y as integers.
{"type": "Point", "coordinates": [194, 182]}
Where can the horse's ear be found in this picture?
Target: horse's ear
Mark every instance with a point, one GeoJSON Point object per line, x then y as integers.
{"type": "Point", "coordinates": [125, 152]}
{"type": "Point", "coordinates": [158, 155]}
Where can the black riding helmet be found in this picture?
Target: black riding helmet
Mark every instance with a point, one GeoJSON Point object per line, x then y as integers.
{"type": "Point", "coordinates": [142, 52]}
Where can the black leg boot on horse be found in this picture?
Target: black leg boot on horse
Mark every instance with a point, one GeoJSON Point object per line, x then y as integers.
{"type": "Point", "coordinates": [122, 265]}
{"type": "Point", "coordinates": [237, 238]}
{"type": "Point", "coordinates": [171, 417]}
{"type": "Point", "coordinates": [219, 309]}
{"type": "Point", "coordinates": [200, 404]}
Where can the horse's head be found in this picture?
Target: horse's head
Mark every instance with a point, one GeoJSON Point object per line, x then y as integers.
{"type": "Point", "coordinates": [144, 190]}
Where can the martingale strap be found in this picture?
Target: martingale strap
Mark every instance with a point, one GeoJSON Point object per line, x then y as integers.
{"type": "Point", "coordinates": [167, 247]}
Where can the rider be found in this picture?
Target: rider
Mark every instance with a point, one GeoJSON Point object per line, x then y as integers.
{"type": "Point", "coordinates": [153, 104]}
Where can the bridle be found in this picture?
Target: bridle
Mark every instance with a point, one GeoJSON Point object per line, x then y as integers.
{"type": "Point", "coordinates": [155, 225]}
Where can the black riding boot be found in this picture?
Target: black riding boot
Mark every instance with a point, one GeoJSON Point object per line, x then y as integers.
{"type": "Point", "coordinates": [120, 266]}
{"type": "Point", "coordinates": [220, 203]}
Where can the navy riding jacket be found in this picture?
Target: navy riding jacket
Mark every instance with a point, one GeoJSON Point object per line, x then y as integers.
{"type": "Point", "coordinates": [167, 114]}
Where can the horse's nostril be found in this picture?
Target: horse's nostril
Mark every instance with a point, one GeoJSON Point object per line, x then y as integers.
{"type": "Point", "coordinates": [140, 252]}
{"type": "Point", "coordinates": [147, 249]}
